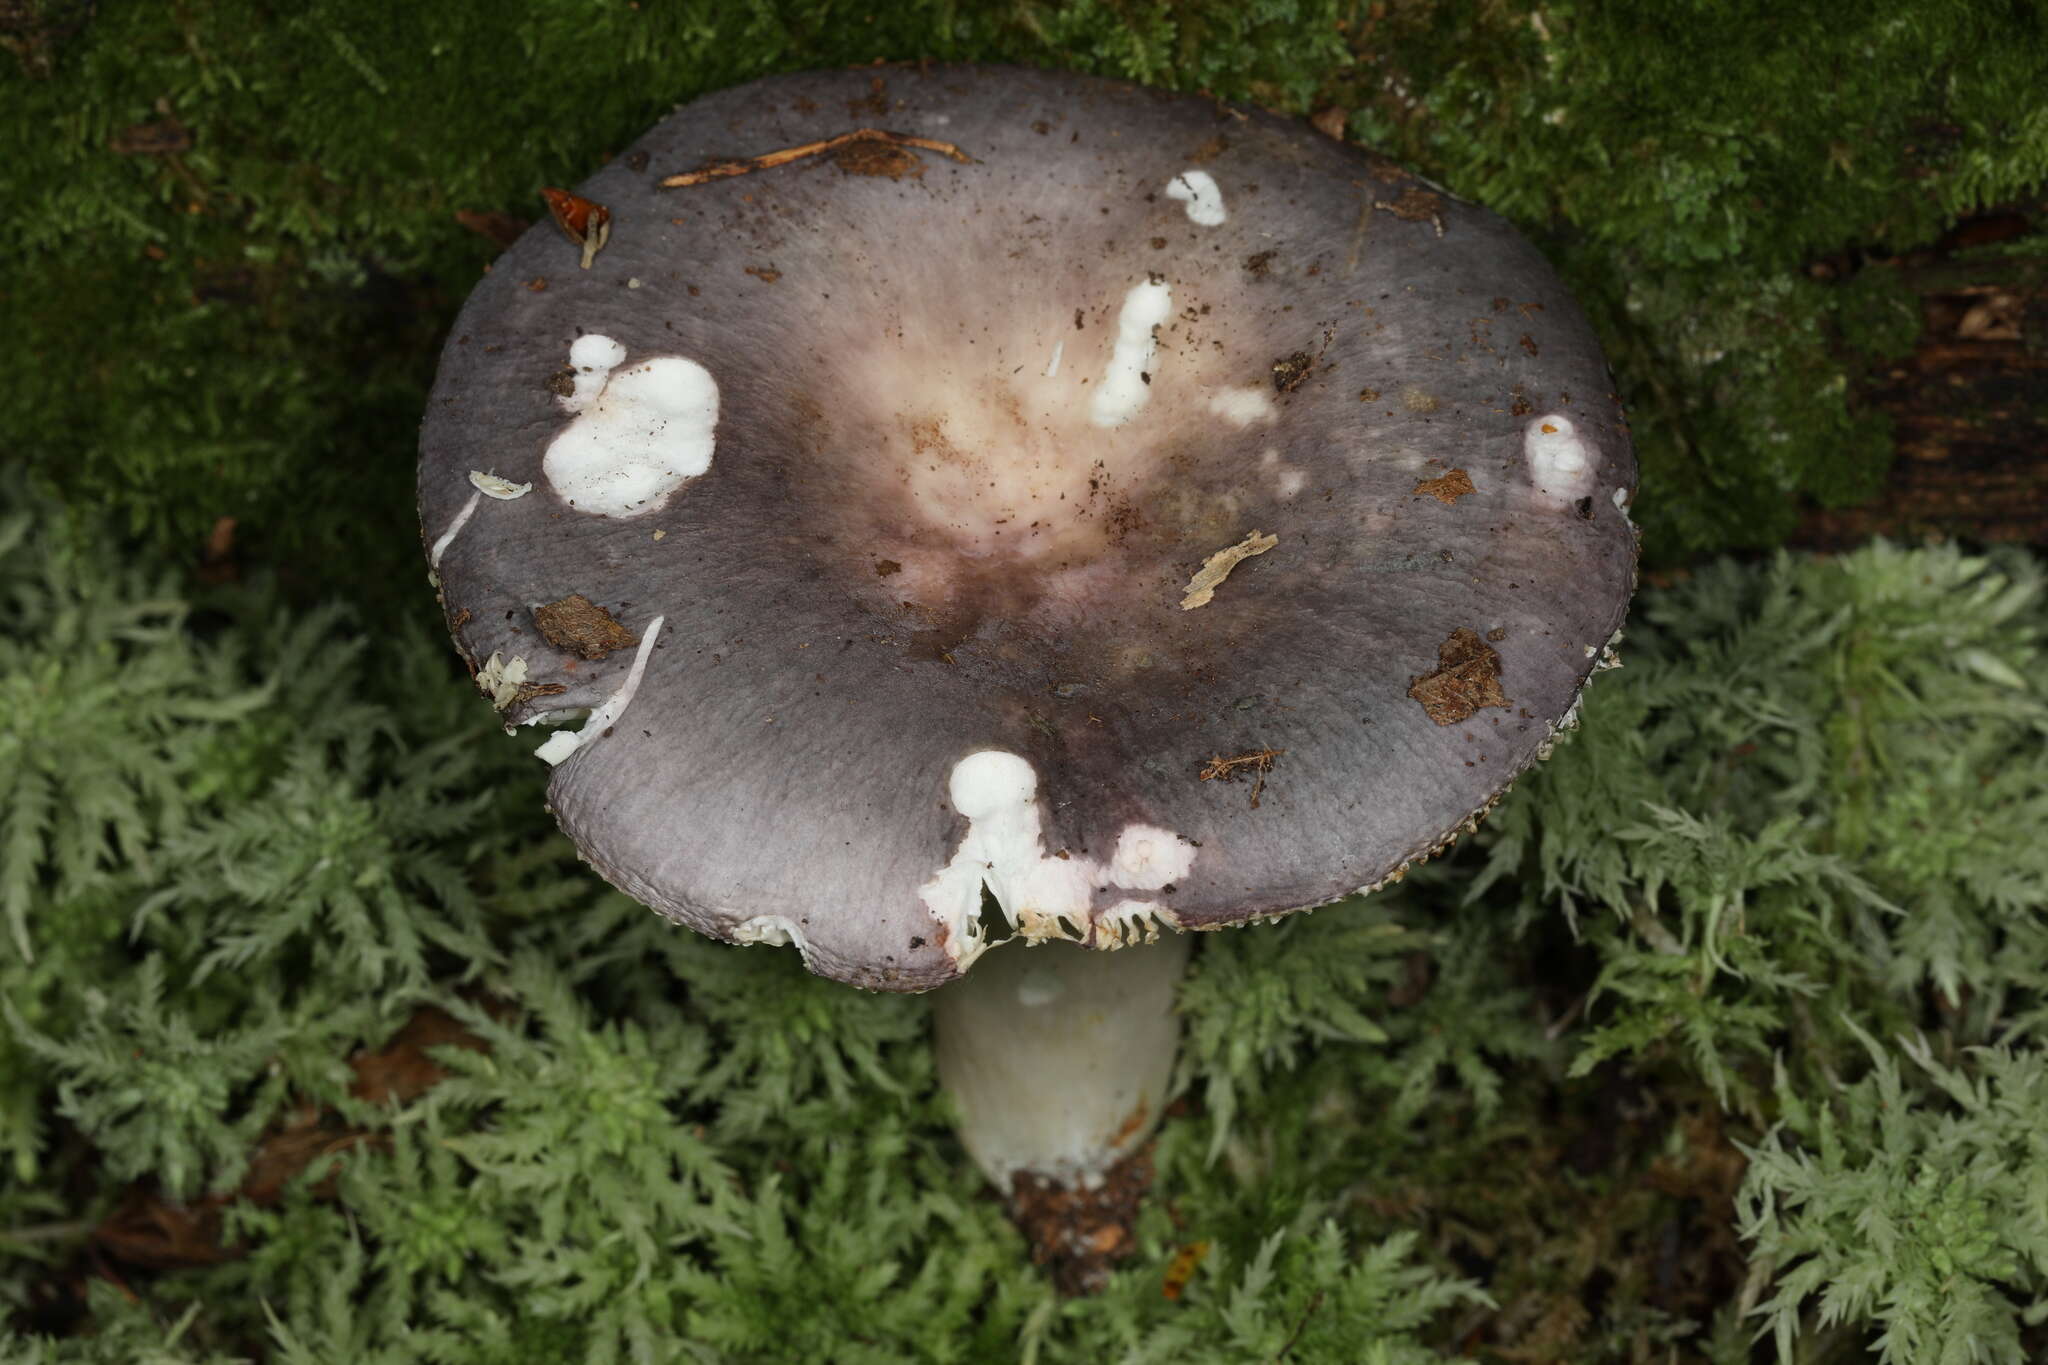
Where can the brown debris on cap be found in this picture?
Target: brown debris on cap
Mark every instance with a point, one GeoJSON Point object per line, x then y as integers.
{"type": "Point", "coordinates": [580, 626]}
{"type": "Point", "coordinates": [1447, 487]}
{"type": "Point", "coordinates": [1416, 206]}
{"type": "Point", "coordinates": [1202, 587]}
{"type": "Point", "coordinates": [1467, 678]}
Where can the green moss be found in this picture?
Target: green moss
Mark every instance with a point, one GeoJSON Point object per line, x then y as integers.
{"type": "Point", "coordinates": [242, 322]}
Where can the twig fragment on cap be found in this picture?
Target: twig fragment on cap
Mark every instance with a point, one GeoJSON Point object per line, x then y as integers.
{"type": "Point", "coordinates": [1260, 761]}
{"type": "Point", "coordinates": [768, 161]}
{"type": "Point", "coordinates": [1217, 567]}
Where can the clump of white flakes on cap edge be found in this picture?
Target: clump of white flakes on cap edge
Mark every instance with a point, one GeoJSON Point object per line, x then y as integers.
{"type": "Point", "coordinates": [1004, 850]}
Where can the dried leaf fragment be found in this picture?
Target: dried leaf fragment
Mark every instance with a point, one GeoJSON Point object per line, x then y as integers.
{"type": "Point", "coordinates": [585, 223]}
{"type": "Point", "coordinates": [1217, 567]}
{"type": "Point", "coordinates": [1467, 678]}
{"type": "Point", "coordinates": [1446, 488]}
{"type": "Point", "coordinates": [2000, 317]}
{"type": "Point", "coordinates": [151, 1230]}
{"type": "Point", "coordinates": [580, 626]}
{"type": "Point", "coordinates": [1182, 1268]}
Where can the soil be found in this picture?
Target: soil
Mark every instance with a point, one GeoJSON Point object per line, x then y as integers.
{"type": "Point", "coordinates": [1079, 1235]}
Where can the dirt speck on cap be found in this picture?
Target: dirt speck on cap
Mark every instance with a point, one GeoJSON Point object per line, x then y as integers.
{"type": "Point", "coordinates": [1290, 371]}
{"type": "Point", "coordinates": [877, 158]}
{"type": "Point", "coordinates": [1467, 678]}
{"type": "Point", "coordinates": [875, 102]}
{"type": "Point", "coordinates": [581, 627]}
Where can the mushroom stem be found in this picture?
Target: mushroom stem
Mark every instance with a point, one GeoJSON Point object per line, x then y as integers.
{"type": "Point", "coordinates": [1058, 1057]}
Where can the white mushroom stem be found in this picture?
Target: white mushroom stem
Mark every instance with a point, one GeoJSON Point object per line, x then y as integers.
{"type": "Point", "coordinates": [1058, 1056]}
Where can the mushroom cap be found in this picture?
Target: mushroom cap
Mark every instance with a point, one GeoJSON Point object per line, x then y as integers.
{"type": "Point", "coordinates": [872, 493]}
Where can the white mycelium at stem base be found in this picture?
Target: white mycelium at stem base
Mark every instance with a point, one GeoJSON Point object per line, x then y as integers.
{"type": "Point", "coordinates": [1058, 1056]}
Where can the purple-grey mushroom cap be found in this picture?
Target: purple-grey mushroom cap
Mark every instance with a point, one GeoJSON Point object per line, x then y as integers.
{"type": "Point", "coordinates": [871, 496]}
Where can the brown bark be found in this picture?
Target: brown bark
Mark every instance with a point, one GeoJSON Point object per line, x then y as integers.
{"type": "Point", "coordinates": [1969, 406]}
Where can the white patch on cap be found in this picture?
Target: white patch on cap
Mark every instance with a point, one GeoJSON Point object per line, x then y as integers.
{"type": "Point", "coordinates": [1287, 480]}
{"type": "Point", "coordinates": [1126, 384]}
{"type": "Point", "coordinates": [1052, 367]}
{"type": "Point", "coordinates": [454, 530]}
{"type": "Point", "coordinates": [491, 486]}
{"type": "Point", "coordinates": [563, 743]}
{"type": "Point", "coordinates": [640, 433]}
{"type": "Point", "coordinates": [592, 358]}
{"type": "Point", "coordinates": [1197, 189]}
{"type": "Point", "coordinates": [1558, 459]}
{"type": "Point", "coordinates": [1148, 857]}
{"type": "Point", "coordinates": [1242, 407]}
{"type": "Point", "coordinates": [1004, 850]}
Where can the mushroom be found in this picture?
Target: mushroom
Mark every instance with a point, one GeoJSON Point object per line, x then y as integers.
{"type": "Point", "coordinates": [1011, 507]}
